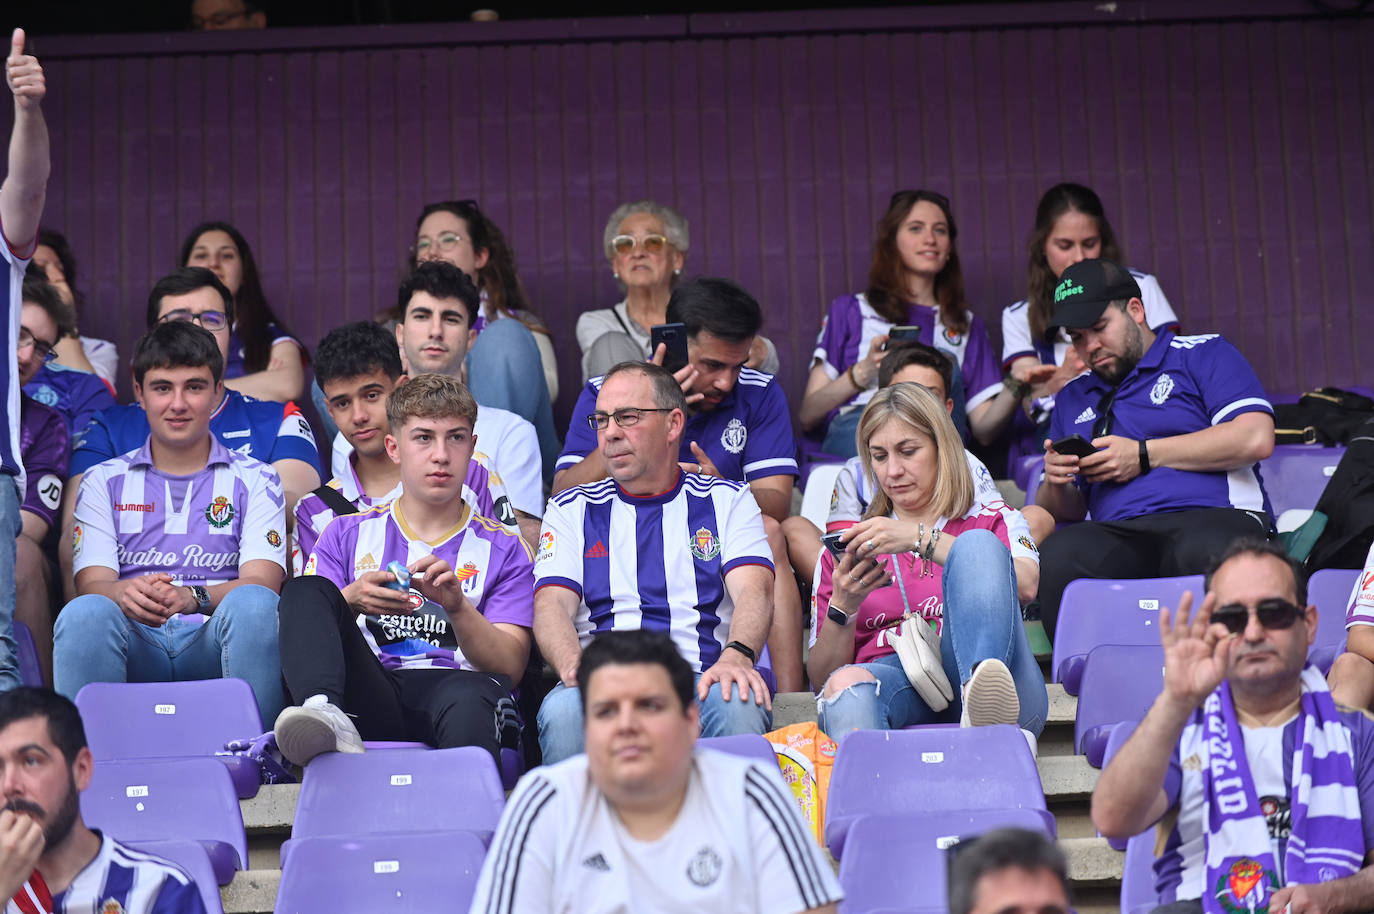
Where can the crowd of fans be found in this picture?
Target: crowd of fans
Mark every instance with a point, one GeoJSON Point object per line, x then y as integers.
{"type": "Point", "coordinates": [400, 592]}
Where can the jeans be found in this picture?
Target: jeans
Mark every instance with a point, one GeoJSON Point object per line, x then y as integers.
{"type": "Point", "coordinates": [10, 525]}
{"type": "Point", "coordinates": [505, 372]}
{"type": "Point", "coordinates": [560, 719]}
{"type": "Point", "coordinates": [982, 622]}
{"type": "Point", "coordinates": [94, 641]}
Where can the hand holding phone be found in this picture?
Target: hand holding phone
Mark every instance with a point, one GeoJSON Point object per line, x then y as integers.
{"type": "Point", "coordinates": [1075, 445]}
{"type": "Point", "coordinates": [674, 339]}
{"type": "Point", "coordinates": [832, 542]}
{"type": "Point", "coordinates": [907, 333]}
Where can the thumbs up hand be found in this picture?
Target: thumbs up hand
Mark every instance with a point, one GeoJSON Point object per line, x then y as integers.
{"type": "Point", "coordinates": [24, 74]}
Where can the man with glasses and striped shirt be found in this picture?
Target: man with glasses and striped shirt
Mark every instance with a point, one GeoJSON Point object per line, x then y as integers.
{"type": "Point", "coordinates": [1172, 428]}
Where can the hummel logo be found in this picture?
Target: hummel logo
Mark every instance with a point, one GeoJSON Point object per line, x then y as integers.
{"type": "Point", "coordinates": [597, 551]}
{"type": "Point", "coordinates": [598, 863]}
{"type": "Point", "coordinates": [1086, 416]}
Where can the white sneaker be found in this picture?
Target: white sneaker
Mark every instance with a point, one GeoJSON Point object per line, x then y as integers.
{"type": "Point", "coordinates": [990, 697]}
{"type": "Point", "coordinates": [314, 727]}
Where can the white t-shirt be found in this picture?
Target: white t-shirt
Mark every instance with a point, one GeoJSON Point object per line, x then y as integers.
{"type": "Point", "coordinates": [507, 445]}
{"type": "Point", "coordinates": [1360, 606]}
{"type": "Point", "coordinates": [739, 846]}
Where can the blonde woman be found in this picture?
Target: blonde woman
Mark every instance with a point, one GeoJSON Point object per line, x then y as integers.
{"type": "Point", "coordinates": [924, 554]}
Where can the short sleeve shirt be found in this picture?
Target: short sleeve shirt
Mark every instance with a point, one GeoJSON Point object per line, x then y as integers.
{"type": "Point", "coordinates": [1360, 607]}
{"type": "Point", "coordinates": [1182, 384]}
{"type": "Point", "coordinates": [233, 368]}
{"type": "Point", "coordinates": [492, 563]}
{"type": "Point", "coordinates": [77, 395]}
{"type": "Point", "coordinates": [127, 880]}
{"type": "Point", "coordinates": [656, 563]}
{"type": "Point", "coordinates": [44, 444]}
{"type": "Point", "coordinates": [748, 435]}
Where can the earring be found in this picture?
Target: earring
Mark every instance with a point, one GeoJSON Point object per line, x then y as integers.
{"type": "Point", "coordinates": [615, 275]}
{"type": "Point", "coordinates": [677, 272]}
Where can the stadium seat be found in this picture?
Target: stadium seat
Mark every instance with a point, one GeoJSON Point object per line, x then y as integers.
{"type": "Point", "coordinates": [1117, 734]}
{"type": "Point", "coordinates": [1295, 474]}
{"type": "Point", "coordinates": [748, 745]}
{"type": "Point", "coordinates": [1097, 611]}
{"type": "Point", "coordinates": [191, 857]}
{"type": "Point", "coordinates": [30, 673]}
{"type": "Point", "coordinates": [1120, 682]}
{"type": "Point", "coordinates": [872, 883]}
{"type": "Point", "coordinates": [512, 760]}
{"type": "Point", "coordinates": [419, 873]}
{"type": "Point", "coordinates": [1331, 590]}
{"type": "Point", "coordinates": [398, 791]}
{"type": "Point", "coordinates": [1026, 472]}
{"type": "Point", "coordinates": [935, 769]}
{"type": "Point", "coordinates": [1138, 876]}
{"type": "Point", "coordinates": [129, 720]}
{"type": "Point", "coordinates": [156, 799]}
{"type": "Point", "coordinates": [820, 484]}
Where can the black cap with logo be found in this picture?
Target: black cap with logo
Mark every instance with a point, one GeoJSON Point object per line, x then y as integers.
{"type": "Point", "coordinates": [1086, 288]}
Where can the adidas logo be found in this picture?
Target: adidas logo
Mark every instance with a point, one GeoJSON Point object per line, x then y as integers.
{"type": "Point", "coordinates": [1086, 416]}
{"type": "Point", "coordinates": [366, 563]}
{"type": "Point", "coordinates": [597, 551]}
{"type": "Point", "coordinates": [597, 862]}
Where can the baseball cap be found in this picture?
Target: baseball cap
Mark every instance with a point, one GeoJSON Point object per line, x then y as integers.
{"type": "Point", "coordinates": [1086, 288]}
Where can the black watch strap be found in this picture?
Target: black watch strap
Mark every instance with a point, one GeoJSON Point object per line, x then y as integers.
{"type": "Point", "coordinates": [1144, 458]}
{"type": "Point", "coordinates": [744, 649]}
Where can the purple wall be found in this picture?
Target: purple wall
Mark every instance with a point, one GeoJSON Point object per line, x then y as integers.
{"type": "Point", "coordinates": [779, 136]}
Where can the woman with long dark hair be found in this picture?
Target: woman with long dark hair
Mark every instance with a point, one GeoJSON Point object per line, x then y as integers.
{"type": "Point", "coordinates": [54, 256]}
{"type": "Point", "coordinates": [915, 279]}
{"type": "Point", "coordinates": [265, 360]}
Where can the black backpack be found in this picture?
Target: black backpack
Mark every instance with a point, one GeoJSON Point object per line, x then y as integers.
{"type": "Point", "coordinates": [1327, 415]}
{"type": "Point", "coordinates": [1348, 503]}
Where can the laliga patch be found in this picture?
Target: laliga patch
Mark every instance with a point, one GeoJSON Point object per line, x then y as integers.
{"type": "Point", "coordinates": [734, 436]}
{"type": "Point", "coordinates": [76, 539]}
{"type": "Point", "coordinates": [50, 491]}
{"type": "Point", "coordinates": [310, 564]}
{"type": "Point", "coordinates": [1163, 387]}
{"type": "Point", "coordinates": [1366, 597]}
{"type": "Point", "coordinates": [704, 545]}
{"type": "Point", "coordinates": [545, 546]}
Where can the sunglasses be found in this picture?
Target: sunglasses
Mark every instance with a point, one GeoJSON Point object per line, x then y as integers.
{"type": "Point", "coordinates": [1272, 613]}
{"type": "Point", "coordinates": [652, 244]}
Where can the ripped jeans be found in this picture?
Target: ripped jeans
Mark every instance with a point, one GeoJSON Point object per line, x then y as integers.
{"type": "Point", "coordinates": [982, 621]}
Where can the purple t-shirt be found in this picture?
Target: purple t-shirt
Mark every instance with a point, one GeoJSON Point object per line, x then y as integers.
{"type": "Point", "coordinates": [43, 442]}
{"type": "Point", "coordinates": [492, 562]}
{"type": "Point", "coordinates": [200, 528]}
{"type": "Point", "coordinates": [233, 368]}
{"type": "Point", "coordinates": [851, 325]}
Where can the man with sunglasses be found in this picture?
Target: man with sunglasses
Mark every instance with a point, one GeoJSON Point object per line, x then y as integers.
{"type": "Point", "coordinates": [1173, 428]}
{"type": "Point", "coordinates": [274, 433]}
{"type": "Point", "coordinates": [1267, 783]}
{"type": "Point", "coordinates": [737, 427]}
{"type": "Point", "coordinates": [653, 547]}
{"type": "Point", "coordinates": [76, 395]}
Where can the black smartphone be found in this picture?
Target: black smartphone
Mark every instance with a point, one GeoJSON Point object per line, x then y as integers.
{"type": "Point", "coordinates": [674, 336]}
{"type": "Point", "coordinates": [832, 542]}
{"type": "Point", "coordinates": [1074, 444]}
{"type": "Point", "coordinates": [904, 334]}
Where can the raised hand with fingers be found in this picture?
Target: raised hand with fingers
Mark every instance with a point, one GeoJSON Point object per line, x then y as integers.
{"type": "Point", "coordinates": [1196, 652]}
{"type": "Point", "coordinates": [24, 74]}
{"type": "Point", "coordinates": [685, 376]}
{"type": "Point", "coordinates": [704, 466]}
{"type": "Point", "coordinates": [21, 844]}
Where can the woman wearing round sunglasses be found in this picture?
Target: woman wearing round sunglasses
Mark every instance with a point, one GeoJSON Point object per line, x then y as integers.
{"type": "Point", "coordinates": [915, 279]}
{"type": "Point", "coordinates": [924, 554]}
{"type": "Point", "coordinates": [265, 360]}
{"type": "Point", "coordinates": [646, 245]}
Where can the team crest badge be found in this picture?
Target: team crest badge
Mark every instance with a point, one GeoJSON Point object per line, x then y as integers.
{"type": "Point", "coordinates": [219, 512]}
{"type": "Point", "coordinates": [704, 869]}
{"type": "Point", "coordinates": [467, 577]}
{"type": "Point", "coordinates": [1028, 543]}
{"type": "Point", "coordinates": [954, 339]}
{"type": "Point", "coordinates": [111, 907]}
{"type": "Point", "coordinates": [734, 436]}
{"type": "Point", "coordinates": [310, 564]}
{"type": "Point", "coordinates": [273, 538]}
{"type": "Point", "coordinates": [1160, 392]}
{"type": "Point", "coordinates": [705, 545]}
{"type": "Point", "coordinates": [1246, 886]}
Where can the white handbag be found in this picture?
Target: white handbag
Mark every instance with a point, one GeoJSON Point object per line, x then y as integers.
{"type": "Point", "coordinates": [918, 648]}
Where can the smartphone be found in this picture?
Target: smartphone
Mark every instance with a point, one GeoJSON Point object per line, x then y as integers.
{"type": "Point", "coordinates": [903, 334]}
{"type": "Point", "coordinates": [832, 542]}
{"type": "Point", "coordinates": [674, 336]}
{"type": "Point", "coordinates": [402, 582]}
{"type": "Point", "coordinates": [1074, 444]}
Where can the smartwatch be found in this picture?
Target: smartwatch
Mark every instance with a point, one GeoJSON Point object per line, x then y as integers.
{"type": "Point", "coordinates": [838, 616]}
{"type": "Point", "coordinates": [202, 597]}
{"type": "Point", "coordinates": [744, 649]}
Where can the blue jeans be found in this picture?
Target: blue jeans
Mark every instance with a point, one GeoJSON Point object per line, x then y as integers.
{"type": "Point", "coordinates": [982, 622]}
{"type": "Point", "coordinates": [505, 372]}
{"type": "Point", "coordinates": [10, 525]}
{"type": "Point", "coordinates": [560, 719]}
{"type": "Point", "coordinates": [94, 641]}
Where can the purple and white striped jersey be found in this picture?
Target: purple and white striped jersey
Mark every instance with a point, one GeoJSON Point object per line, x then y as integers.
{"type": "Point", "coordinates": [131, 881]}
{"type": "Point", "coordinates": [656, 563]}
{"type": "Point", "coordinates": [490, 559]}
{"type": "Point", "coordinates": [200, 528]}
{"type": "Point", "coordinates": [483, 493]}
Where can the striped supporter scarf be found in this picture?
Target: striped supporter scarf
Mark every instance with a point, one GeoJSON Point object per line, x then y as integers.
{"type": "Point", "coordinates": [1241, 870]}
{"type": "Point", "coordinates": [33, 896]}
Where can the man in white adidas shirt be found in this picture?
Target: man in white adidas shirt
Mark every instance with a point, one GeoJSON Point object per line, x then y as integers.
{"type": "Point", "coordinates": [642, 822]}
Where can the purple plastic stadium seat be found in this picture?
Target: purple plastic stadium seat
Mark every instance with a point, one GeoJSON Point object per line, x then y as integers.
{"type": "Point", "coordinates": [128, 720]}
{"type": "Point", "coordinates": [141, 800]}
{"type": "Point", "coordinates": [419, 873]}
{"type": "Point", "coordinates": [30, 673]}
{"type": "Point", "coordinates": [748, 745]}
{"type": "Point", "coordinates": [870, 880]}
{"type": "Point", "coordinates": [191, 857]}
{"type": "Point", "coordinates": [1105, 611]}
{"type": "Point", "coordinates": [400, 790]}
{"type": "Point", "coordinates": [1120, 682]}
{"type": "Point", "coordinates": [1331, 590]}
{"type": "Point", "coordinates": [1027, 471]}
{"type": "Point", "coordinates": [1295, 474]}
{"type": "Point", "coordinates": [918, 772]}
{"type": "Point", "coordinates": [1138, 876]}
{"type": "Point", "coordinates": [512, 760]}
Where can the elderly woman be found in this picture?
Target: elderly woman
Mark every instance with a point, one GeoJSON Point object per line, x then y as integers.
{"type": "Point", "coordinates": [924, 554]}
{"type": "Point", "coordinates": [646, 244]}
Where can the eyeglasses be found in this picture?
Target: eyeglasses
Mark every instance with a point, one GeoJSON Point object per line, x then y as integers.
{"type": "Point", "coordinates": [210, 320]}
{"type": "Point", "coordinates": [624, 418]}
{"type": "Point", "coordinates": [652, 244]}
{"type": "Point", "coordinates": [28, 341]}
{"type": "Point", "coordinates": [1273, 613]}
{"type": "Point", "coordinates": [446, 242]}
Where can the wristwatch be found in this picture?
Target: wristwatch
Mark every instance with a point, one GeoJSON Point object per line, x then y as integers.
{"type": "Point", "coordinates": [838, 616]}
{"type": "Point", "coordinates": [202, 597]}
{"type": "Point", "coordinates": [744, 649]}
